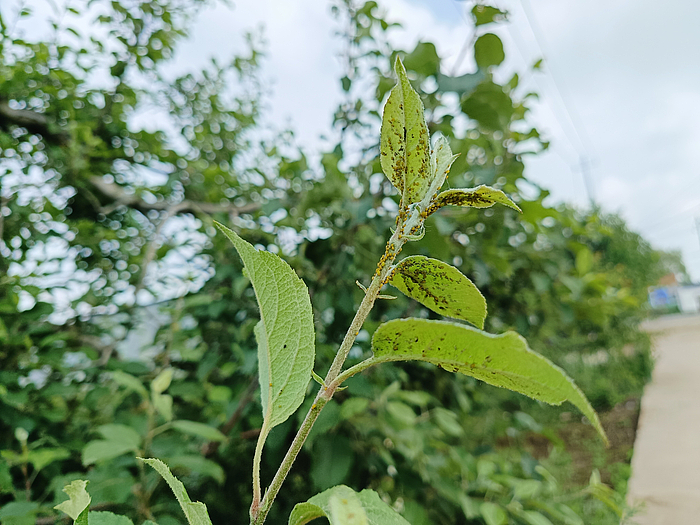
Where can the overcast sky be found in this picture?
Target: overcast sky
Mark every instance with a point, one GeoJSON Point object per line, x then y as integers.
{"type": "Point", "coordinates": [620, 88]}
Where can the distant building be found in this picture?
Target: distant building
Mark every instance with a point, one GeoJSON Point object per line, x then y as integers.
{"type": "Point", "coordinates": [689, 298]}
{"type": "Point", "coordinates": [670, 294]}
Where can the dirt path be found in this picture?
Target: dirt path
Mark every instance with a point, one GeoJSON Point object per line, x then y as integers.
{"type": "Point", "coordinates": [666, 461]}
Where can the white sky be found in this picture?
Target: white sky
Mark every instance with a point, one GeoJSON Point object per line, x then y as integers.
{"type": "Point", "coordinates": [620, 87]}
{"type": "Point", "coordinates": [628, 72]}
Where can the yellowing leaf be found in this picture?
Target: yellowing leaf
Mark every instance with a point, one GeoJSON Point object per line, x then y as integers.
{"type": "Point", "coordinates": [500, 360]}
{"type": "Point", "coordinates": [440, 287]}
{"type": "Point", "coordinates": [404, 151]}
{"type": "Point", "coordinates": [479, 197]}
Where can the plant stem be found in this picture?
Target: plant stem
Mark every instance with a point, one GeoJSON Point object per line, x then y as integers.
{"type": "Point", "coordinates": [257, 491]}
{"type": "Point", "coordinates": [326, 392]}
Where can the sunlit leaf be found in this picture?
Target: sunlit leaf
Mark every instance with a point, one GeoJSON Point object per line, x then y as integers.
{"type": "Point", "coordinates": [343, 506]}
{"type": "Point", "coordinates": [78, 503]}
{"type": "Point", "coordinates": [196, 512]}
{"type": "Point", "coordinates": [500, 360]}
{"type": "Point", "coordinates": [162, 381]}
{"type": "Point", "coordinates": [493, 514]}
{"type": "Point", "coordinates": [440, 287]}
{"type": "Point", "coordinates": [405, 148]}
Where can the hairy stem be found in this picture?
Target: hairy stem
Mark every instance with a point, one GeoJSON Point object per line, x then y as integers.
{"type": "Point", "coordinates": [257, 491]}
{"type": "Point", "coordinates": [331, 384]}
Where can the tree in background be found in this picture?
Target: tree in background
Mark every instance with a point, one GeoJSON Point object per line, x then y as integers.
{"type": "Point", "coordinates": [104, 213]}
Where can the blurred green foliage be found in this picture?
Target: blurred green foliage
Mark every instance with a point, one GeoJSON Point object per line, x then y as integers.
{"type": "Point", "coordinates": [103, 214]}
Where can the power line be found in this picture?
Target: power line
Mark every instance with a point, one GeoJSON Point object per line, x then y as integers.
{"type": "Point", "coordinates": [520, 44]}
{"type": "Point", "coordinates": [560, 86]}
{"type": "Point", "coordinates": [671, 217]}
{"type": "Point", "coordinates": [569, 108]}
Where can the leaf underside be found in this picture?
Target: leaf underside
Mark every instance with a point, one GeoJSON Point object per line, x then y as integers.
{"type": "Point", "coordinates": [285, 333]}
{"type": "Point", "coordinates": [343, 506]}
{"type": "Point", "coordinates": [500, 360]}
{"type": "Point", "coordinates": [440, 287]}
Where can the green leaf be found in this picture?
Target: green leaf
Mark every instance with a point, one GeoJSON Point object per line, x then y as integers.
{"type": "Point", "coordinates": [479, 197]}
{"type": "Point", "coordinates": [462, 84]}
{"type": "Point", "coordinates": [424, 59]}
{"type": "Point", "coordinates": [441, 158]}
{"type": "Point", "coordinates": [42, 457]}
{"type": "Point", "coordinates": [401, 412]}
{"type": "Point", "coordinates": [107, 518]}
{"type": "Point", "coordinates": [196, 512]}
{"type": "Point", "coordinates": [440, 287]}
{"type": "Point", "coordinates": [532, 517]}
{"type": "Point", "coordinates": [404, 151]}
{"type": "Point", "coordinates": [331, 461]}
{"type": "Point", "coordinates": [493, 514]}
{"type": "Point", "coordinates": [200, 465]}
{"type": "Point", "coordinates": [198, 429]}
{"type": "Point", "coordinates": [353, 406]}
{"type": "Point", "coordinates": [447, 421]}
{"type": "Point", "coordinates": [500, 360]}
{"type": "Point", "coordinates": [488, 51]}
{"type": "Point", "coordinates": [285, 333]}
{"type": "Point", "coordinates": [78, 503]}
{"type": "Point", "coordinates": [485, 14]}
{"type": "Point", "coordinates": [19, 513]}
{"type": "Point", "coordinates": [343, 506]}
{"type": "Point", "coordinates": [162, 381]}
{"type": "Point", "coordinates": [104, 449]}
{"type": "Point", "coordinates": [130, 382]}
{"type": "Point", "coordinates": [490, 106]}
{"type": "Point", "coordinates": [120, 433]}
{"type": "Point", "coordinates": [164, 405]}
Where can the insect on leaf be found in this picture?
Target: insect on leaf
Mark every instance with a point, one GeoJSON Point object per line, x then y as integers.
{"type": "Point", "coordinates": [285, 333]}
{"type": "Point", "coordinates": [440, 287]}
{"type": "Point", "coordinates": [343, 506]}
{"type": "Point", "coordinates": [479, 197]}
{"type": "Point", "coordinates": [500, 360]}
{"type": "Point", "coordinates": [404, 151]}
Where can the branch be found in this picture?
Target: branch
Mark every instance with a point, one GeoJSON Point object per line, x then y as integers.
{"type": "Point", "coordinates": [42, 124]}
{"type": "Point", "coordinates": [121, 198]}
{"type": "Point", "coordinates": [33, 121]}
